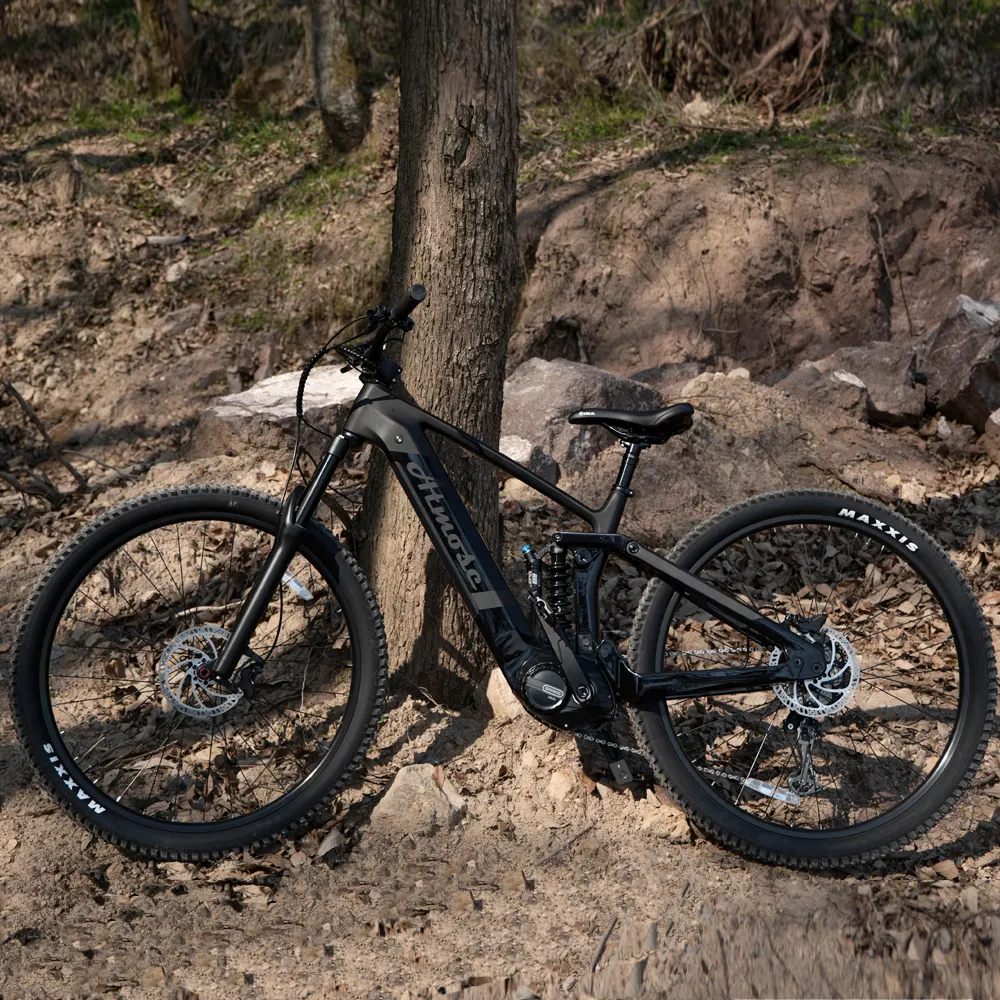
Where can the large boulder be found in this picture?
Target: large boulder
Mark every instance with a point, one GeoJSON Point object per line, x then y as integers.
{"type": "Point", "coordinates": [887, 371]}
{"type": "Point", "coordinates": [961, 360]}
{"type": "Point", "coordinates": [263, 416]}
{"type": "Point", "coordinates": [530, 456]}
{"type": "Point", "coordinates": [540, 395]}
{"type": "Point", "coordinates": [750, 438]}
{"type": "Point", "coordinates": [838, 389]}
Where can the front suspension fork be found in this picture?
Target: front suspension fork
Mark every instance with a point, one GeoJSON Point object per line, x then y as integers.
{"type": "Point", "coordinates": [296, 513]}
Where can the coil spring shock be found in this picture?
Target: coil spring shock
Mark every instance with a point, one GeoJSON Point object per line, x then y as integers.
{"type": "Point", "coordinates": [559, 587]}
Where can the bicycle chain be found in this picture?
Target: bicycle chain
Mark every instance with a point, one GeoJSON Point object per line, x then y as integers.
{"type": "Point", "coordinates": [635, 751]}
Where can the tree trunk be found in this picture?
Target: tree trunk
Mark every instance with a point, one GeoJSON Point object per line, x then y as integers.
{"type": "Point", "coordinates": [341, 103]}
{"type": "Point", "coordinates": [167, 43]}
{"type": "Point", "coordinates": [454, 230]}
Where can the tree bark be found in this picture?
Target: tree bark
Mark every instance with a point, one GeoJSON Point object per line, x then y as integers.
{"type": "Point", "coordinates": [338, 96]}
{"type": "Point", "coordinates": [454, 230]}
{"type": "Point", "coordinates": [167, 43]}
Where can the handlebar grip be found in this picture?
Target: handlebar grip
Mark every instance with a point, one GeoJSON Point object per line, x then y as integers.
{"type": "Point", "coordinates": [409, 302]}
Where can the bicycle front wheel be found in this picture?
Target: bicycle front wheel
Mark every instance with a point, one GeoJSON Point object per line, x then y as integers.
{"type": "Point", "coordinates": [844, 768]}
{"type": "Point", "coordinates": [113, 696]}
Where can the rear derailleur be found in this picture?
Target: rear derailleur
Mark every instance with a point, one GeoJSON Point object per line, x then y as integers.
{"type": "Point", "coordinates": [806, 732]}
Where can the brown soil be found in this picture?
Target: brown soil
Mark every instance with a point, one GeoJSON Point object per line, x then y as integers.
{"type": "Point", "coordinates": [764, 259]}
{"type": "Point", "coordinates": [636, 260]}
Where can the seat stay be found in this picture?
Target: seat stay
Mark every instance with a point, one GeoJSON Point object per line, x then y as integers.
{"type": "Point", "coordinates": [805, 659]}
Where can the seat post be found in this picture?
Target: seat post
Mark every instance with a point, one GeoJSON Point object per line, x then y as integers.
{"type": "Point", "coordinates": [614, 506]}
{"type": "Point", "coordinates": [633, 449]}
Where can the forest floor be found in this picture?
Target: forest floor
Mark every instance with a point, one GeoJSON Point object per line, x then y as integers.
{"type": "Point", "coordinates": [120, 342]}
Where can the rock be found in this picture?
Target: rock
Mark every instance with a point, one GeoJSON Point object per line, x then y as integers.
{"type": "Point", "coordinates": [263, 416]}
{"type": "Point", "coordinates": [14, 289]}
{"type": "Point", "coordinates": [560, 785]}
{"type": "Point", "coordinates": [540, 395]}
{"type": "Point", "coordinates": [989, 442]}
{"type": "Point", "coordinates": [895, 397]}
{"type": "Point", "coordinates": [887, 372]}
{"type": "Point", "coordinates": [420, 801]}
{"type": "Point", "coordinates": [189, 205]}
{"type": "Point", "coordinates": [954, 439]}
{"type": "Point", "coordinates": [961, 360]}
{"type": "Point", "coordinates": [838, 388]}
{"type": "Point", "coordinates": [668, 377]}
{"type": "Point", "coordinates": [912, 492]}
{"type": "Point", "coordinates": [699, 384]}
{"type": "Point", "coordinates": [333, 841]}
{"type": "Point", "coordinates": [665, 820]}
{"type": "Point", "coordinates": [502, 700]}
{"type": "Point", "coordinates": [531, 456]}
{"type": "Point", "coordinates": [517, 491]}
{"type": "Point", "coordinates": [970, 899]}
{"type": "Point", "coordinates": [177, 270]}
{"type": "Point", "coordinates": [179, 320]}
{"type": "Point", "coordinates": [739, 373]}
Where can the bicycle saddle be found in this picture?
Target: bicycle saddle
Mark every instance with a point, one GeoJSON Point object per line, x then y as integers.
{"type": "Point", "coordinates": [652, 427]}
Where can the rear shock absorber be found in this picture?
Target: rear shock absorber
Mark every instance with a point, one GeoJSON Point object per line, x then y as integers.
{"type": "Point", "coordinates": [559, 594]}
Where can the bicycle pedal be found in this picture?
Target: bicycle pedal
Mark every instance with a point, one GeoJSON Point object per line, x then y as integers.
{"type": "Point", "coordinates": [621, 773]}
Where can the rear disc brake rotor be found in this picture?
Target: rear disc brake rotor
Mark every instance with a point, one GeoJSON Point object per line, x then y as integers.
{"type": "Point", "coordinates": [819, 697]}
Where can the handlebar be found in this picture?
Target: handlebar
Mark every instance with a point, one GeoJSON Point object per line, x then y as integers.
{"type": "Point", "coordinates": [382, 321]}
{"type": "Point", "coordinates": [410, 300]}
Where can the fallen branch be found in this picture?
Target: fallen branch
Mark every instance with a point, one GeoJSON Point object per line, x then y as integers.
{"type": "Point", "coordinates": [103, 465]}
{"type": "Point", "coordinates": [167, 241]}
{"type": "Point", "coordinates": [888, 272]}
{"type": "Point", "coordinates": [54, 449]}
{"type": "Point", "coordinates": [569, 843]}
{"type": "Point", "coordinates": [602, 944]}
{"type": "Point", "coordinates": [38, 487]}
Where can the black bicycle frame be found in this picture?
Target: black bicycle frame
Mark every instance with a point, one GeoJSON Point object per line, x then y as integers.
{"type": "Point", "coordinates": [399, 429]}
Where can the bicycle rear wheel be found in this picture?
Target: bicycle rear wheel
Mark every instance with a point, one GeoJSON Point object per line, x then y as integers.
{"type": "Point", "coordinates": [113, 698]}
{"type": "Point", "coordinates": [856, 763]}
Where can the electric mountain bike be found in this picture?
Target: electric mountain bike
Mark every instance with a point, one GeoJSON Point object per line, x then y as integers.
{"type": "Point", "coordinates": [202, 668]}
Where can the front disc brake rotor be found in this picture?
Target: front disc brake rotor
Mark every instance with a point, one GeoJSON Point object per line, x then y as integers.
{"type": "Point", "coordinates": [182, 668]}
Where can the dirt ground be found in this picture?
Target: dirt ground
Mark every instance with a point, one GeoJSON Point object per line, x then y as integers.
{"type": "Point", "coordinates": [120, 342]}
{"type": "Point", "coordinates": [515, 900]}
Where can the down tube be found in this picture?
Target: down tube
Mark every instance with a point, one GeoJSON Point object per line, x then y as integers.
{"type": "Point", "coordinates": [469, 562]}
